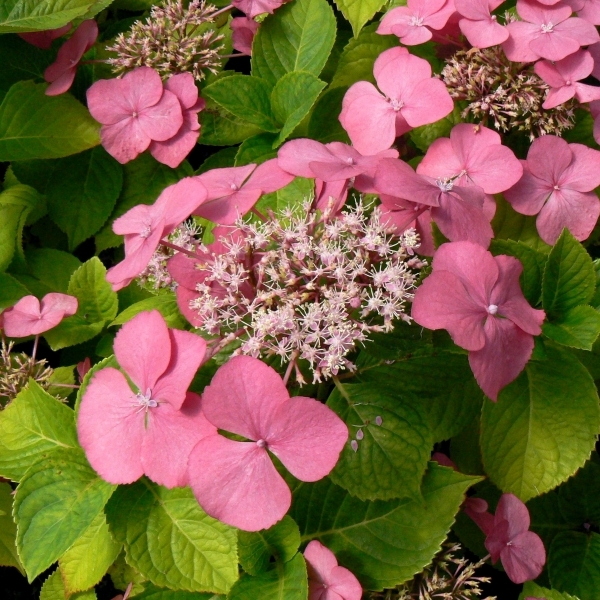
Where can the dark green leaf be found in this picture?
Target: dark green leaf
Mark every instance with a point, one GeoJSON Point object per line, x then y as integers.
{"type": "Point", "coordinates": [578, 328]}
{"type": "Point", "coordinates": [324, 125]}
{"type": "Point", "coordinates": [165, 304]}
{"type": "Point", "coordinates": [256, 149]}
{"type": "Point", "coordinates": [11, 291]}
{"type": "Point", "coordinates": [221, 128]}
{"type": "Point", "coordinates": [358, 12]}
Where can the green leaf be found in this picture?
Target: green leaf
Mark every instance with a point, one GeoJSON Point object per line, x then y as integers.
{"type": "Point", "coordinates": [533, 262]}
{"type": "Point", "coordinates": [579, 498]}
{"type": "Point", "coordinates": [165, 304]}
{"type": "Point", "coordinates": [532, 590]}
{"type": "Point", "coordinates": [382, 543]}
{"type": "Point", "coordinates": [35, 15]}
{"type": "Point", "coordinates": [292, 195]}
{"type": "Point", "coordinates": [8, 530]}
{"type": "Point", "coordinates": [85, 563]}
{"type": "Point", "coordinates": [574, 564]}
{"type": "Point", "coordinates": [15, 204]}
{"type": "Point", "coordinates": [358, 12]}
{"type": "Point", "coordinates": [73, 330]}
{"type": "Point", "coordinates": [578, 328]}
{"type": "Point", "coordinates": [569, 277]}
{"type": "Point", "coordinates": [547, 520]}
{"type": "Point", "coordinates": [256, 149]}
{"type": "Point", "coordinates": [256, 548]}
{"type": "Point", "coordinates": [11, 291]}
{"type": "Point", "coordinates": [543, 427]}
{"type": "Point", "coordinates": [155, 593]}
{"type": "Point", "coordinates": [32, 425]}
{"type": "Point", "coordinates": [423, 136]}
{"type": "Point", "coordinates": [97, 301]}
{"type": "Point", "coordinates": [54, 589]}
{"type": "Point", "coordinates": [56, 501]}
{"type": "Point", "coordinates": [52, 268]}
{"type": "Point", "coordinates": [292, 98]}
{"type": "Point", "coordinates": [298, 37]}
{"type": "Point", "coordinates": [324, 125]}
{"type": "Point", "coordinates": [288, 581]}
{"type": "Point", "coordinates": [223, 158]}
{"type": "Point", "coordinates": [221, 128]}
{"type": "Point", "coordinates": [245, 97]}
{"type": "Point", "coordinates": [159, 527]}
{"type": "Point", "coordinates": [392, 457]}
{"type": "Point", "coordinates": [143, 180]}
{"type": "Point", "coordinates": [357, 59]}
{"type": "Point", "coordinates": [33, 125]}
{"type": "Point", "coordinates": [61, 375]}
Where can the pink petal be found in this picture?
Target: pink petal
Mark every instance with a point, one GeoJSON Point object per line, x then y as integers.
{"type": "Point", "coordinates": [554, 45]}
{"type": "Point", "coordinates": [532, 11]}
{"type": "Point", "coordinates": [516, 47]}
{"type": "Point", "coordinates": [173, 151]}
{"type": "Point", "coordinates": [586, 93]}
{"type": "Point", "coordinates": [224, 182]}
{"type": "Point", "coordinates": [244, 396]}
{"type": "Point", "coordinates": [400, 76]}
{"type": "Point", "coordinates": [590, 12]}
{"type": "Point", "coordinates": [441, 160]}
{"type": "Point", "coordinates": [549, 72]}
{"type": "Point", "coordinates": [548, 157]}
{"type": "Point", "coordinates": [476, 10]}
{"type": "Point", "coordinates": [30, 317]}
{"type": "Point", "coordinates": [183, 86]}
{"type": "Point", "coordinates": [61, 83]}
{"type": "Point", "coordinates": [505, 354]}
{"type": "Point", "coordinates": [497, 539]}
{"type": "Point", "coordinates": [307, 437]}
{"type": "Point", "coordinates": [44, 39]}
{"type": "Point", "coordinates": [477, 509]}
{"type": "Point", "coordinates": [184, 297]}
{"type": "Point", "coordinates": [295, 156]}
{"type": "Point", "coordinates": [243, 32]}
{"type": "Point", "coordinates": [387, 57]}
{"type": "Point", "coordinates": [414, 35]}
{"type": "Point", "coordinates": [187, 354]}
{"type": "Point", "coordinates": [483, 33]}
{"type": "Point", "coordinates": [529, 194]}
{"type": "Point", "coordinates": [320, 561]}
{"type": "Point", "coordinates": [268, 177]}
{"type": "Point", "coordinates": [163, 120]}
{"type": "Point", "coordinates": [178, 201]}
{"type": "Point", "coordinates": [524, 559]}
{"type": "Point", "coordinates": [395, 178]}
{"type": "Point", "coordinates": [124, 140]}
{"type": "Point", "coordinates": [143, 349]}
{"type": "Point", "coordinates": [557, 96]}
{"type": "Point", "coordinates": [170, 438]}
{"type": "Point", "coordinates": [513, 510]}
{"type": "Point", "coordinates": [583, 174]}
{"type": "Point", "coordinates": [110, 427]}
{"type": "Point", "coordinates": [237, 483]}
{"type": "Point", "coordinates": [228, 209]}
{"type": "Point", "coordinates": [428, 102]}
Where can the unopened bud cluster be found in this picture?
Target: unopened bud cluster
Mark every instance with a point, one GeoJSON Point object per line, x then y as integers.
{"type": "Point", "coordinates": [508, 94]}
{"type": "Point", "coordinates": [173, 39]}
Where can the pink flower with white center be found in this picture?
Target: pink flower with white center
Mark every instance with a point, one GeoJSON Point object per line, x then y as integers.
{"type": "Point", "coordinates": [44, 39]}
{"type": "Point", "coordinates": [413, 23]}
{"type": "Point", "coordinates": [134, 111]}
{"type": "Point", "coordinates": [456, 209]}
{"type": "Point", "coordinates": [233, 191]}
{"type": "Point", "coordinates": [236, 482]}
{"type": "Point", "coordinates": [326, 579]}
{"type": "Point", "coordinates": [144, 226]}
{"type": "Point", "coordinates": [61, 73]}
{"type": "Point", "coordinates": [253, 8]}
{"type": "Point", "coordinates": [173, 151]}
{"type": "Point", "coordinates": [508, 537]}
{"type": "Point", "coordinates": [411, 97]}
{"type": "Point", "coordinates": [546, 32]}
{"type": "Point", "coordinates": [558, 185]}
{"type": "Point", "coordinates": [244, 29]}
{"type": "Point", "coordinates": [476, 297]}
{"type": "Point", "coordinates": [479, 26]}
{"type": "Point", "coordinates": [152, 429]}
{"type": "Point", "coordinates": [29, 316]}
{"type": "Point", "coordinates": [563, 77]}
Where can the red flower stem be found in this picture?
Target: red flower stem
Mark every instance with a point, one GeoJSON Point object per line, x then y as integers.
{"type": "Point", "coordinates": [178, 248]}
{"type": "Point", "coordinates": [290, 367]}
{"type": "Point", "coordinates": [234, 55]}
{"type": "Point", "coordinates": [33, 352]}
{"type": "Point", "coordinates": [219, 12]}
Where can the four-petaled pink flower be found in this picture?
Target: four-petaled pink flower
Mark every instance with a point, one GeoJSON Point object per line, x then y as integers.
{"type": "Point", "coordinates": [546, 32]}
{"type": "Point", "coordinates": [152, 430]}
{"type": "Point", "coordinates": [144, 226]}
{"type": "Point", "coordinates": [134, 111]}
{"type": "Point", "coordinates": [236, 482]}
{"type": "Point", "coordinates": [558, 182]}
{"type": "Point", "coordinates": [44, 39]}
{"type": "Point", "coordinates": [563, 77]}
{"type": "Point", "coordinates": [479, 26]}
{"type": "Point", "coordinates": [253, 8]}
{"type": "Point", "coordinates": [412, 23]}
{"type": "Point", "coordinates": [172, 151]}
{"type": "Point", "coordinates": [233, 191]}
{"type": "Point", "coordinates": [61, 73]}
{"type": "Point", "coordinates": [411, 97]}
{"type": "Point", "coordinates": [508, 537]}
{"type": "Point", "coordinates": [326, 579]}
{"type": "Point", "coordinates": [29, 316]}
{"type": "Point", "coordinates": [477, 298]}
{"type": "Point", "coordinates": [243, 32]}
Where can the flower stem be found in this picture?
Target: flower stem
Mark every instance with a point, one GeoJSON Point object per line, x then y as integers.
{"type": "Point", "coordinates": [178, 248]}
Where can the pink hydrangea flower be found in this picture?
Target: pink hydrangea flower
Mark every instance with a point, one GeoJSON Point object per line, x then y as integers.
{"type": "Point", "coordinates": [233, 191]}
{"type": "Point", "coordinates": [171, 152]}
{"type": "Point", "coordinates": [411, 97]}
{"type": "Point", "coordinates": [326, 579]}
{"type": "Point", "coordinates": [557, 185]}
{"type": "Point", "coordinates": [413, 23]}
{"type": "Point", "coordinates": [61, 73]}
{"type": "Point", "coordinates": [236, 482]}
{"type": "Point", "coordinates": [477, 298]}
{"type": "Point", "coordinates": [253, 8]}
{"type": "Point", "coordinates": [144, 226]}
{"type": "Point", "coordinates": [563, 77]}
{"type": "Point", "coordinates": [29, 316]}
{"type": "Point", "coordinates": [508, 537]}
{"type": "Point", "coordinates": [134, 111]}
{"type": "Point", "coordinates": [244, 30]}
{"type": "Point", "coordinates": [479, 26]}
{"type": "Point", "coordinates": [456, 209]}
{"type": "Point", "coordinates": [150, 430]}
{"type": "Point", "coordinates": [546, 32]}
{"type": "Point", "coordinates": [44, 39]}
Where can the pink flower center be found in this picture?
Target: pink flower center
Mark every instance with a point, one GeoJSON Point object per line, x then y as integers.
{"type": "Point", "coordinates": [568, 82]}
{"type": "Point", "coordinates": [234, 187]}
{"type": "Point", "coordinates": [134, 114]}
{"type": "Point", "coordinates": [145, 233]}
{"type": "Point", "coordinates": [445, 185]}
{"type": "Point", "coordinates": [396, 104]}
{"type": "Point", "coordinates": [145, 400]}
{"type": "Point", "coordinates": [556, 188]}
{"type": "Point", "coordinates": [416, 22]}
{"type": "Point", "coordinates": [350, 160]}
{"type": "Point", "coordinates": [547, 27]}
{"type": "Point", "coordinates": [261, 444]}
{"type": "Point", "coordinates": [492, 309]}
